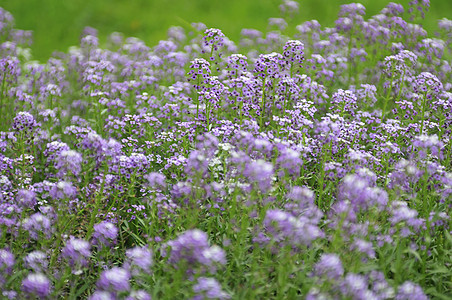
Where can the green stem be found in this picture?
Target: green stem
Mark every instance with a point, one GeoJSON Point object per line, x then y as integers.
{"type": "Point", "coordinates": [262, 104]}
{"type": "Point", "coordinates": [1, 101]}
{"type": "Point", "coordinates": [424, 104]}
{"type": "Point", "coordinates": [97, 204]}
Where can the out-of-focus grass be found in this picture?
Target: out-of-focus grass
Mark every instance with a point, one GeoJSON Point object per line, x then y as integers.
{"type": "Point", "coordinates": [57, 24]}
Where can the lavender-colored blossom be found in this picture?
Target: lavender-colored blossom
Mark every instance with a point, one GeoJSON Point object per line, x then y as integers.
{"type": "Point", "coordinates": [261, 173]}
{"type": "Point", "coordinates": [410, 291]}
{"type": "Point", "coordinates": [193, 247]}
{"type": "Point", "coordinates": [329, 266]}
{"type": "Point", "coordinates": [355, 287]}
{"type": "Point", "coordinates": [428, 85]}
{"type": "Point", "coordinates": [24, 122]}
{"type": "Point", "coordinates": [105, 233]}
{"type": "Point", "coordinates": [10, 295]}
{"type": "Point", "coordinates": [199, 71]}
{"type": "Point", "coordinates": [380, 286]}
{"type": "Point", "coordinates": [6, 264]}
{"type": "Point", "coordinates": [68, 162]}
{"type": "Point", "coordinates": [213, 39]}
{"type": "Point", "coordinates": [156, 180]}
{"type": "Point", "coordinates": [361, 193]}
{"type": "Point", "coordinates": [289, 7]}
{"type": "Point", "coordinates": [38, 225]}
{"type": "Point", "coordinates": [115, 280]}
{"type": "Point", "coordinates": [102, 295]}
{"type": "Point", "coordinates": [37, 284]}
{"type": "Point", "coordinates": [279, 23]}
{"type": "Point", "coordinates": [37, 261]}
{"type": "Point", "coordinates": [63, 190]}
{"type": "Point", "coordinates": [77, 252]}
{"type": "Point", "coordinates": [344, 101]}
{"type": "Point", "coordinates": [364, 247]}
{"type": "Point", "coordinates": [139, 295]}
{"type": "Point", "coordinates": [209, 288]}
{"type": "Point", "coordinates": [139, 259]}
{"type": "Point", "coordinates": [26, 198]}
{"type": "Point", "coordinates": [283, 227]}
{"type": "Point", "coordinates": [293, 54]}
{"type": "Point", "coordinates": [402, 214]}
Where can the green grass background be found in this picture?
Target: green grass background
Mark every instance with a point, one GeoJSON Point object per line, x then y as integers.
{"type": "Point", "coordinates": [57, 24]}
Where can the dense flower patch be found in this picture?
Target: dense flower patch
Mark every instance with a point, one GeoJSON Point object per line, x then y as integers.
{"type": "Point", "coordinates": [311, 166]}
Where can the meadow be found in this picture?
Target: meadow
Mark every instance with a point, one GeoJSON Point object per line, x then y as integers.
{"type": "Point", "coordinates": [292, 160]}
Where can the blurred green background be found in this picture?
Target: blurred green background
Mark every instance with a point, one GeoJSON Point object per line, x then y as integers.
{"type": "Point", "coordinates": [57, 24]}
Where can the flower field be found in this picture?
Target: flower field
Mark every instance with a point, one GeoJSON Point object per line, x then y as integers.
{"type": "Point", "coordinates": [308, 166]}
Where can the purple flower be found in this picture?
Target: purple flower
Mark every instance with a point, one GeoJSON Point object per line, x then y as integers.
{"type": "Point", "coordinates": [24, 122]}
{"type": "Point", "coordinates": [37, 284]}
{"type": "Point", "coordinates": [199, 68]}
{"type": "Point", "coordinates": [355, 287]}
{"type": "Point", "coordinates": [364, 247]}
{"type": "Point", "coordinates": [209, 288]}
{"type": "Point", "coordinates": [63, 190]}
{"type": "Point", "coordinates": [6, 264]}
{"type": "Point", "coordinates": [38, 224]}
{"type": "Point", "coordinates": [329, 266]}
{"type": "Point", "coordinates": [213, 39]}
{"type": "Point", "coordinates": [10, 294]}
{"type": "Point", "coordinates": [193, 247]}
{"type": "Point", "coordinates": [77, 252]}
{"type": "Point", "coordinates": [289, 7]}
{"type": "Point", "coordinates": [212, 256]}
{"type": "Point", "coordinates": [293, 54]}
{"type": "Point", "coordinates": [428, 84]}
{"type": "Point", "coordinates": [26, 198]}
{"type": "Point", "coordinates": [36, 260]}
{"type": "Point", "coordinates": [139, 259]}
{"type": "Point", "coordinates": [156, 180]}
{"type": "Point", "coordinates": [105, 233]}
{"type": "Point", "coordinates": [261, 173]}
{"type": "Point", "coordinates": [283, 227]}
{"type": "Point", "coordinates": [410, 291]}
{"type": "Point", "coordinates": [68, 162]}
{"type": "Point", "coordinates": [102, 295]}
{"type": "Point", "coordinates": [116, 280]}
{"type": "Point", "coordinates": [139, 295]}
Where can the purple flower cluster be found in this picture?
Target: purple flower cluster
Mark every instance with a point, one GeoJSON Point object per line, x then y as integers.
{"type": "Point", "coordinates": [192, 248]}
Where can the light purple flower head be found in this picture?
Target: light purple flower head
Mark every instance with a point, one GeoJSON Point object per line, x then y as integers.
{"type": "Point", "coordinates": [283, 227]}
{"type": "Point", "coordinates": [105, 233]}
{"type": "Point", "coordinates": [63, 190]}
{"type": "Point", "coordinates": [193, 247]}
{"type": "Point", "coordinates": [355, 287]}
{"type": "Point", "coordinates": [77, 252]}
{"type": "Point", "coordinates": [209, 288]}
{"type": "Point", "coordinates": [410, 291]}
{"type": "Point", "coordinates": [261, 173]}
{"type": "Point", "coordinates": [6, 264]}
{"type": "Point", "coordinates": [36, 260]}
{"type": "Point", "coordinates": [102, 295]}
{"type": "Point", "coordinates": [329, 267]}
{"type": "Point", "coordinates": [68, 162]}
{"type": "Point", "coordinates": [156, 180]}
{"type": "Point", "coordinates": [139, 295]}
{"type": "Point", "coordinates": [37, 284]}
{"type": "Point", "coordinates": [24, 122]}
{"type": "Point", "coordinates": [116, 280]}
{"type": "Point", "coordinates": [428, 84]}
{"type": "Point", "coordinates": [38, 224]}
{"type": "Point", "coordinates": [139, 259]}
{"type": "Point", "coordinates": [26, 198]}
